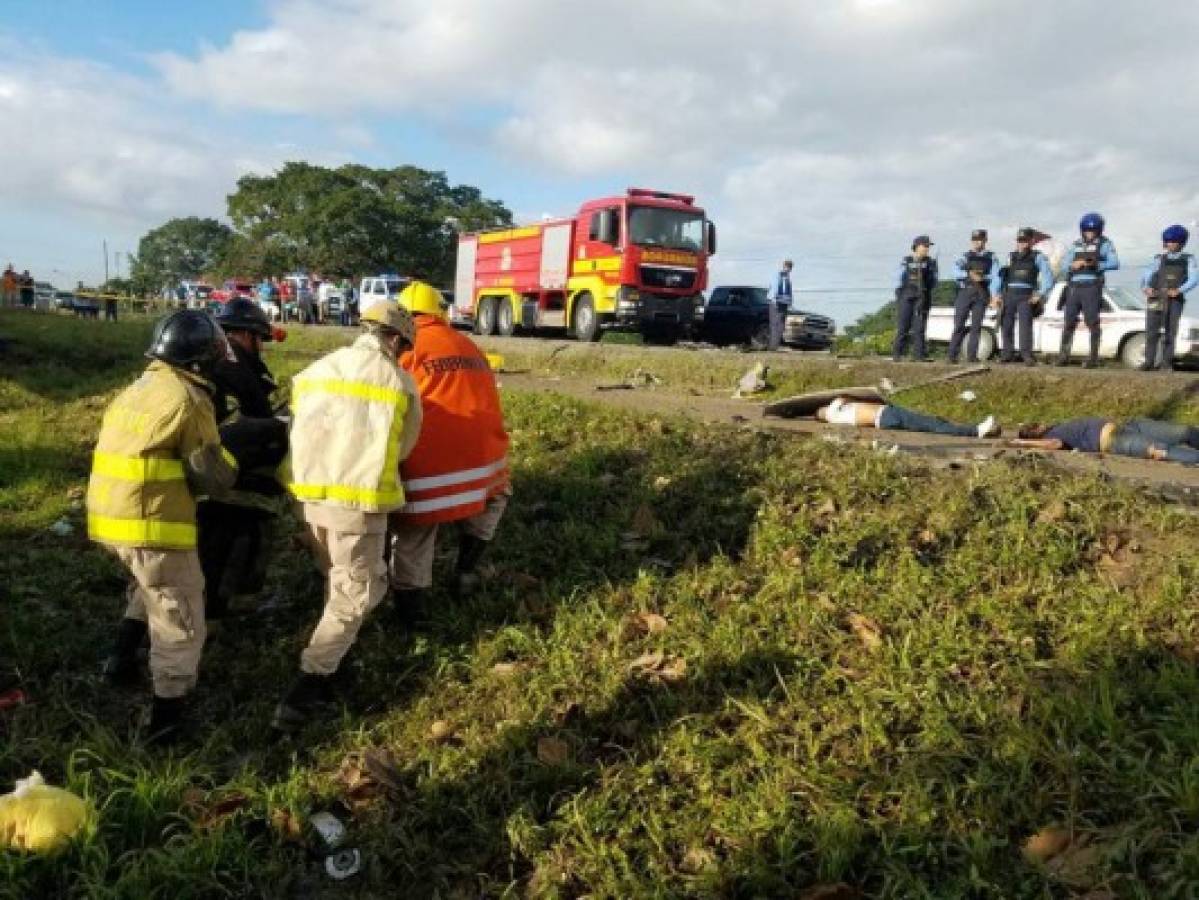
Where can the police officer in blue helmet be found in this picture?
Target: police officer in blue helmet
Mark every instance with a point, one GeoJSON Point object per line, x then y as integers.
{"type": "Point", "coordinates": [1083, 267]}
{"type": "Point", "coordinates": [977, 274]}
{"type": "Point", "coordinates": [1166, 282]}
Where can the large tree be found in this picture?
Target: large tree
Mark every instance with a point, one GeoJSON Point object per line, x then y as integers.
{"type": "Point", "coordinates": [354, 220]}
{"type": "Point", "coordinates": [179, 249]}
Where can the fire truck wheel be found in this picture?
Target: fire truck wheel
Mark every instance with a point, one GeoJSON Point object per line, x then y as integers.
{"type": "Point", "coordinates": [485, 318]}
{"type": "Point", "coordinates": [505, 321]}
{"type": "Point", "coordinates": [586, 324]}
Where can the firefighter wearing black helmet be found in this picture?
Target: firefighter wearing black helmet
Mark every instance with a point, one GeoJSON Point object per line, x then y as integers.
{"type": "Point", "coordinates": [235, 531]}
{"type": "Point", "coordinates": [158, 450]}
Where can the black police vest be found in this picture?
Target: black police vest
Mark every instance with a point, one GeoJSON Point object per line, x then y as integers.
{"type": "Point", "coordinates": [1022, 269]}
{"type": "Point", "coordinates": [1171, 272]}
{"type": "Point", "coordinates": [918, 278]}
{"type": "Point", "coordinates": [979, 266]}
{"type": "Point", "coordinates": [1091, 254]}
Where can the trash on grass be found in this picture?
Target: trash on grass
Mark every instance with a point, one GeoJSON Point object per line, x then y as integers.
{"type": "Point", "coordinates": [13, 698]}
{"type": "Point", "coordinates": [62, 528]}
{"type": "Point", "coordinates": [39, 817]}
{"type": "Point", "coordinates": [753, 381]}
{"type": "Point", "coordinates": [968, 396]}
{"type": "Point", "coordinates": [344, 863]}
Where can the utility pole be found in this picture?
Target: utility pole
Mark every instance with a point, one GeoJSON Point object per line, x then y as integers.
{"type": "Point", "coordinates": [106, 260]}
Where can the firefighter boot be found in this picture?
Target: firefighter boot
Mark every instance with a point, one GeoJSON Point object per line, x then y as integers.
{"type": "Point", "coordinates": [470, 551]}
{"type": "Point", "coordinates": [120, 667]}
{"type": "Point", "coordinates": [1093, 360]}
{"type": "Point", "coordinates": [307, 692]}
{"type": "Point", "coordinates": [166, 717]}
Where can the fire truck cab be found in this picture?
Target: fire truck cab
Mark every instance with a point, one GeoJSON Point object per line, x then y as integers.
{"type": "Point", "coordinates": [636, 262]}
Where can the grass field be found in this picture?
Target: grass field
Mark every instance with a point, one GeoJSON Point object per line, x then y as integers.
{"type": "Point", "coordinates": [707, 663]}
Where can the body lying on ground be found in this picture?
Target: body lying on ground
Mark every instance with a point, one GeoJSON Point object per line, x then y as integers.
{"type": "Point", "coordinates": [869, 414]}
{"type": "Point", "coordinates": [1137, 438]}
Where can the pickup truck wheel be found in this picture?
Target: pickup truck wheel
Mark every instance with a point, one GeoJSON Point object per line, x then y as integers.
{"type": "Point", "coordinates": [760, 339]}
{"type": "Point", "coordinates": [986, 344]}
{"type": "Point", "coordinates": [584, 321]}
{"type": "Point", "coordinates": [1132, 351]}
{"type": "Point", "coordinates": [505, 320]}
{"type": "Point", "coordinates": [485, 317]}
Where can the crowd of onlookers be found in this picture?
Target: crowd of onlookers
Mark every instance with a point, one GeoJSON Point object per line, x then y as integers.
{"type": "Point", "coordinates": [16, 289]}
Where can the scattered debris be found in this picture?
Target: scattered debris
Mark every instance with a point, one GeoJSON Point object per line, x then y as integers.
{"type": "Point", "coordinates": [753, 382]}
{"type": "Point", "coordinates": [968, 396]}
{"type": "Point", "coordinates": [658, 668]}
{"type": "Point", "coordinates": [39, 817]}
{"type": "Point", "coordinates": [645, 623]}
{"type": "Point", "coordinates": [13, 698]}
{"type": "Point", "coordinates": [508, 669]}
{"type": "Point", "coordinates": [343, 864]}
{"type": "Point", "coordinates": [287, 825]}
{"type": "Point", "coordinates": [639, 378]}
{"type": "Point", "coordinates": [552, 751]}
{"type": "Point", "coordinates": [340, 862]}
{"type": "Point", "coordinates": [868, 631]}
{"type": "Point", "coordinates": [441, 731]}
{"type": "Point", "coordinates": [1046, 843]}
{"type": "Point", "coordinates": [886, 385]}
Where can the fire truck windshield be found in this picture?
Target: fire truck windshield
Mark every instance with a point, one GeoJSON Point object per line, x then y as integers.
{"type": "Point", "coordinates": [652, 226]}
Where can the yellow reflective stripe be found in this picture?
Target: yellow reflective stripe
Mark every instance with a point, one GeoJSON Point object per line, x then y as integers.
{"type": "Point", "coordinates": [512, 234]}
{"type": "Point", "coordinates": [389, 479]}
{"type": "Point", "coordinates": [139, 469]}
{"type": "Point", "coordinates": [345, 493]}
{"type": "Point", "coordinates": [229, 458]}
{"type": "Point", "coordinates": [141, 531]}
{"type": "Point", "coordinates": [360, 390]}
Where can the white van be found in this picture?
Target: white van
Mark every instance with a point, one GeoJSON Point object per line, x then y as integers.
{"type": "Point", "coordinates": [379, 288]}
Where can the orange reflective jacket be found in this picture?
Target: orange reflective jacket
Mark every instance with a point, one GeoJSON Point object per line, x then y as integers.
{"type": "Point", "coordinates": [460, 460]}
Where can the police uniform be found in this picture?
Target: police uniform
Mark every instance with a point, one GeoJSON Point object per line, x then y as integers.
{"type": "Point", "coordinates": [1083, 295]}
{"type": "Point", "coordinates": [1169, 271]}
{"type": "Point", "coordinates": [977, 274]}
{"type": "Point", "coordinates": [915, 280]}
{"type": "Point", "coordinates": [778, 310]}
{"type": "Point", "coordinates": [1026, 275]}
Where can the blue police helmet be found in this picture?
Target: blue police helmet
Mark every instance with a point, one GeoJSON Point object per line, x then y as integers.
{"type": "Point", "coordinates": [1091, 222]}
{"type": "Point", "coordinates": [1175, 234]}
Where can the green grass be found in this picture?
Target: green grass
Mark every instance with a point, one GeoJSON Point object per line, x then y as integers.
{"type": "Point", "coordinates": [871, 673]}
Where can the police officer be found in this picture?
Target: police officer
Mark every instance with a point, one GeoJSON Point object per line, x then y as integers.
{"type": "Point", "coordinates": [914, 282]}
{"type": "Point", "coordinates": [235, 531]}
{"type": "Point", "coordinates": [977, 274]}
{"type": "Point", "coordinates": [783, 295]}
{"type": "Point", "coordinates": [1083, 267]}
{"type": "Point", "coordinates": [1027, 278]}
{"type": "Point", "coordinates": [1166, 282]}
{"type": "Point", "coordinates": [158, 449]}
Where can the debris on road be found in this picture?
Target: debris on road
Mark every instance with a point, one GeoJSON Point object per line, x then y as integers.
{"type": "Point", "coordinates": [753, 382]}
{"type": "Point", "coordinates": [639, 378]}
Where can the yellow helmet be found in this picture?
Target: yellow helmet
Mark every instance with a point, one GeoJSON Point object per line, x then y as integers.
{"type": "Point", "coordinates": [419, 297]}
{"type": "Point", "coordinates": [391, 318]}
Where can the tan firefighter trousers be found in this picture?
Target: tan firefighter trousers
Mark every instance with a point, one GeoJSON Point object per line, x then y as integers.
{"type": "Point", "coordinates": [412, 546]}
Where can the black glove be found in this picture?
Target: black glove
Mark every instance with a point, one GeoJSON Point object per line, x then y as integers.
{"type": "Point", "coordinates": [255, 443]}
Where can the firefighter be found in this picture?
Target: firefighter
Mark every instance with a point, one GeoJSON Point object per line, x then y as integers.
{"type": "Point", "coordinates": [914, 283]}
{"type": "Point", "coordinates": [458, 470]}
{"type": "Point", "coordinates": [356, 417]}
{"type": "Point", "coordinates": [977, 275]}
{"type": "Point", "coordinates": [159, 448]}
{"type": "Point", "coordinates": [235, 532]}
{"type": "Point", "coordinates": [1027, 278]}
{"type": "Point", "coordinates": [1166, 282]}
{"type": "Point", "coordinates": [1083, 267]}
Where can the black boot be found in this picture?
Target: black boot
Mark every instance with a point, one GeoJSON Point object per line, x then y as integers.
{"type": "Point", "coordinates": [470, 551]}
{"type": "Point", "coordinates": [120, 667]}
{"type": "Point", "coordinates": [1093, 360]}
{"type": "Point", "coordinates": [307, 692]}
{"type": "Point", "coordinates": [405, 606]}
{"type": "Point", "coordinates": [1063, 353]}
{"type": "Point", "coordinates": [166, 717]}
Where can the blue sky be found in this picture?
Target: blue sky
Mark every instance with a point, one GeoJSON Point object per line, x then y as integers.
{"type": "Point", "coordinates": [830, 131]}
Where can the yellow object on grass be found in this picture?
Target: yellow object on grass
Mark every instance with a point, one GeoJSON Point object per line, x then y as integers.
{"type": "Point", "coordinates": [495, 361]}
{"type": "Point", "coordinates": [39, 817]}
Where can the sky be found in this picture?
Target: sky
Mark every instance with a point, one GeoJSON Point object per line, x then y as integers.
{"type": "Point", "coordinates": [827, 131]}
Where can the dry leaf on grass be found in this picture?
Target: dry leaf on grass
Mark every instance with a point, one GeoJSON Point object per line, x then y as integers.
{"type": "Point", "coordinates": [696, 860]}
{"type": "Point", "coordinates": [659, 668]}
{"type": "Point", "coordinates": [1053, 512]}
{"type": "Point", "coordinates": [827, 508]}
{"type": "Point", "coordinates": [1046, 843]}
{"type": "Point", "coordinates": [217, 811]}
{"type": "Point", "coordinates": [287, 825]}
{"type": "Point", "coordinates": [508, 669]}
{"type": "Point", "coordinates": [868, 631]}
{"type": "Point", "coordinates": [1079, 864]}
{"type": "Point", "coordinates": [552, 751]}
{"type": "Point", "coordinates": [441, 731]}
{"type": "Point", "coordinates": [645, 623]}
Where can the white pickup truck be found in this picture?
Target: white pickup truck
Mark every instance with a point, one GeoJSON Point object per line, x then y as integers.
{"type": "Point", "coordinates": [1122, 321]}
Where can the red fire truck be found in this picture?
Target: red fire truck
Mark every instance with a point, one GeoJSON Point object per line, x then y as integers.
{"type": "Point", "coordinates": [637, 262]}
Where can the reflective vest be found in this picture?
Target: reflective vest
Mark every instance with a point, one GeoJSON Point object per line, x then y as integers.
{"type": "Point", "coordinates": [919, 277]}
{"type": "Point", "coordinates": [1092, 255]}
{"type": "Point", "coordinates": [138, 495]}
{"type": "Point", "coordinates": [1171, 271]}
{"type": "Point", "coordinates": [460, 460]}
{"type": "Point", "coordinates": [348, 412]}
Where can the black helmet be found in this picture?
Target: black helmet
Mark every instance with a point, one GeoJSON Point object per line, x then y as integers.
{"type": "Point", "coordinates": [245, 315]}
{"type": "Point", "coordinates": [189, 339]}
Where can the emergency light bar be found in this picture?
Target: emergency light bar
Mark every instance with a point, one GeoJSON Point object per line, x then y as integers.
{"type": "Point", "coordinates": [661, 195]}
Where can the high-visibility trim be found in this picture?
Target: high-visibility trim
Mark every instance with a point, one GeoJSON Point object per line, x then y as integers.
{"type": "Point", "coordinates": [345, 493]}
{"type": "Point", "coordinates": [465, 498]}
{"type": "Point", "coordinates": [460, 477]}
{"type": "Point", "coordinates": [229, 458]}
{"type": "Point", "coordinates": [596, 264]}
{"type": "Point", "coordinates": [138, 469]}
{"type": "Point", "coordinates": [512, 234]}
{"type": "Point", "coordinates": [142, 531]}
{"type": "Point", "coordinates": [360, 390]}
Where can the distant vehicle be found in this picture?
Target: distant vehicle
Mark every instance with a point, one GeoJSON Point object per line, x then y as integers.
{"type": "Point", "coordinates": [330, 299]}
{"type": "Point", "coordinates": [1122, 320]}
{"type": "Point", "coordinates": [740, 314]}
{"type": "Point", "coordinates": [64, 300]}
{"type": "Point", "coordinates": [378, 288]}
{"type": "Point", "coordinates": [232, 289]}
{"type": "Point", "coordinates": [43, 295]}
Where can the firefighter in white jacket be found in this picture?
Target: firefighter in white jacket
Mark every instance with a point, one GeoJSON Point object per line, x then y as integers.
{"type": "Point", "coordinates": [356, 416]}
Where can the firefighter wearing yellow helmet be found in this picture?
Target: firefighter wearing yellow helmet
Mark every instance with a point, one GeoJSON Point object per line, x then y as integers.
{"type": "Point", "coordinates": [356, 416]}
{"type": "Point", "coordinates": [458, 470]}
{"type": "Point", "coordinates": [157, 451]}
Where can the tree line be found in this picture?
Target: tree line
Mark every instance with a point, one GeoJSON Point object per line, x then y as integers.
{"type": "Point", "coordinates": [344, 222]}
